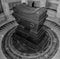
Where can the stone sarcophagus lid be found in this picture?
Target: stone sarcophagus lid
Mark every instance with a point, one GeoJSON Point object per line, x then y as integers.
{"type": "Point", "coordinates": [30, 18]}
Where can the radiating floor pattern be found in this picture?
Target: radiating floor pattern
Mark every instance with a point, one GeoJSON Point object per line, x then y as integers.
{"type": "Point", "coordinates": [50, 24]}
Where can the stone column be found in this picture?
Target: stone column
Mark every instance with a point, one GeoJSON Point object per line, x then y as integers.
{"type": "Point", "coordinates": [5, 7]}
{"type": "Point", "coordinates": [42, 3]}
{"type": "Point", "coordinates": [58, 10]}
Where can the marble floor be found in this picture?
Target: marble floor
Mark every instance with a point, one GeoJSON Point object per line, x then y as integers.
{"type": "Point", "coordinates": [2, 33]}
{"type": "Point", "coordinates": [56, 28]}
{"type": "Point", "coordinates": [52, 25]}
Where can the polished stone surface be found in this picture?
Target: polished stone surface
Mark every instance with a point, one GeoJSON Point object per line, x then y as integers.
{"type": "Point", "coordinates": [2, 33]}
{"type": "Point", "coordinates": [50, 24]}
{"type": "Point", "coordinates": [56, 28]}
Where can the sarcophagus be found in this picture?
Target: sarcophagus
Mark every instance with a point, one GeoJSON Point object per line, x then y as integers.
{"type": "Point", "coordinates": [30, 18]}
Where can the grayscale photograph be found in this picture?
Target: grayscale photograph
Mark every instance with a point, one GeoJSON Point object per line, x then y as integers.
{"type": "Point", "coordinates": [29, 29]}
